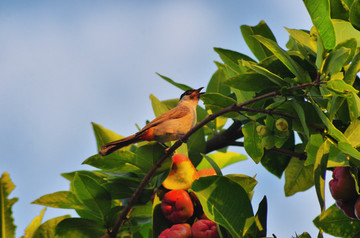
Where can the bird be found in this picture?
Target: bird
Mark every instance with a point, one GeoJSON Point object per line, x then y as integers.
{"type": "Point", "coordinates": [170, 126]}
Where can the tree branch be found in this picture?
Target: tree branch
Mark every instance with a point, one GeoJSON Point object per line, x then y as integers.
{"type": "Point", "coordinates": [177, 144]}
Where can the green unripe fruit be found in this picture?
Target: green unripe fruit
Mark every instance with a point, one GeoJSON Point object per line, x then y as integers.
{"type": "Point", "coordinates": [262, 130]}
{"type": "Point", "coordinates": [281, 124]}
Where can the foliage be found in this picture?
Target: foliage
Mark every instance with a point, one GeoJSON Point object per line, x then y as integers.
{"type": "Point", "coordinates": [313, 85]}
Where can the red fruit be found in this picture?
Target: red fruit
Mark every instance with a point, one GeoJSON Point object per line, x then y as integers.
{"type": "Point", "coordinates": [177, 231]}
{"type": "Point", "coordinates": [347, 208]}
{"type": "Point", "coordinates": [342, 187]}
{"type": "Point", "coordinates": [204, 229]}
{"type": "Point", "coordinates": [177, 206]}
{"type": "Point", "coordinates": [357, 208]}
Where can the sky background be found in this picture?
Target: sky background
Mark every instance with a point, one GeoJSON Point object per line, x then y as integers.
{"type": "Point", "coordinates": [65, 64]}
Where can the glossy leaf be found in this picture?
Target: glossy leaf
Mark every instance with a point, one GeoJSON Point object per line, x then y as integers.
{"type": "Point", "coordinates": [336, 60]}
{"type": "Point", "coordinates": [303, 38]}
{"type": "Point", "coordinates": [217, 101]}
{"type": "Point", "coordinates": [339, 10]}
{"type": "Point", "coordinates": [178, 85]}
{"type": "Point", "coordinates": [334, 222]}
{"type": "Point", "coordinates": [312, 147]}
{"type": "Point", "coordinates": [93, 195]}
{"type": "Point", "coordinates": [251, 82]}
{"type": "Point", "coordinates": [285, 58]}
{"type": "Point", "coordinates": [246, 182]}
{"type": "Point", "coordinates": [7, 228]}
{"type": "Point", "coordinates": [34, 224]}
{"type": "Point", "coordinates": [119, 161]}
{"type": "Point", "coordinates": [196, 146]}
{"type": "Point", "coordinates": [319, 11]}
{"type": "Point", "coordinates": [354, 106]}
{"type": "Point", "coordinates": [353, 69]}
{"type": "Point", "coordinates": [79, 228]}
{"type": "Point", "coordinates": [320, 167]}
{"type": "Point", "coordinates": [252, 141]}
{"type": "Point", "coordinates": [148, 154]}
{"type": "Point", "coordinates": [355, 14]}
{"type": "Point", "coordinates": [61, 199]}
{"type": "Point", "coordinates": [298, 177]}
{"type": "Point", "coordinates": [158, 107]}
{"type": "Point", "coordinates": [301, 115]}
{"type": "Point", "coordinates": [221, 159]}
{"type": "Point", "coordinates": [104, 135]}
{"type": "Point", "coordinates": [213, 193]}
{"type": "Point", "coordinates": [352, 133]}
{"type": "Point", "coordinates": [340, 86]}
{"type": "Point", "coordinates": [344, 31]}
{"type": "Point", "coordinates": [231, 59]}
{"type": "Point", "coordinates": [217, 82]}
{"type": "Point", "coordinates": [47, 229]}
{"type": "Point", "coordinates": [265, 72]}
{"type": "Point", "coordinates": [256, 48]}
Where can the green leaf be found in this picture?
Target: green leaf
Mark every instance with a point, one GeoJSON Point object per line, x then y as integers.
{"type": "Point", "coordinates": [196, 146]}
{"type": "Point", "coordinates": [61, 199]}
{"type": "Point", "coordinates": [246, 182]}
{"type": "Point", "coordinates": [221, 159]}
{"type": "Point", "coordinates": [231, 59]}
{"type": "Point", "coordinates": [119, 161]}
{"type": "Point", "coordinates": [312, 147]}
{"type": "Point", "coordinates": [355, 14]}
{"type": "Point", "coordinates": [6, 219]}
{"type": "Point", "coordinates": [336, 60]}
{"type": "Point", "coordinates": [335, 223]}
{"type": "Point", "coordinates": [79, 228]}
{"type": "Point", "coordinates": [103, 135]}
{"type": "Point", "coordinates": [353, 69]}
{"type": "Point", "coordinates": [217, 101]}
{"type": "Point", "coordinates": [319, 11]}
{"type": "Point", "coordinates": [47, 229]}
{"type": "Point", "coordinates": [251, 82]}
{"type": "Point", "coordinates": [301, 114]}
{"type": "Point", "coordinates": [352, 133]}
{"type": "Point", "coordinates": [148, 154]}
{"type": "Point", "coordinates": [178, 85]}
{"type": "Point", "coordinates": [233, 214]}
{"type": "Point", "coordinates": [122, 187]}
{"type": "Point", "coordinates": [320, 167]}
{"type": "Point", "coordinates": [158, 107]}
{"type": "Point", "coordinates": [252, 141]}
{"type": "Point", "coordinates": [212, 164]}
{"type": "Point", "coordinates": [93, 195]}
{"type": "Point", "coordinates": [304, 39]}
{"type": "Point", "coordinates": [275, 162]}
{"type": "Point", "coordinates": [340, 86]}
{"type": "Point", "coordinates": [285, 58]}
{"type": "Point", "coordinates": [217, 82]}
{"type": "Point", "coordinates": [344, 31]}
{"type": "Point", "coordinates": [339, 10]}
{"type": "Point", "coordinates": [263, 71]}
{"type": "Point", "coordinates": [298, 177]}
{"type": "Point", "coordinates": [354, 106]}
{"type": "Point", "coordinates": [34, 225]}
{"type": "Point", "coordinates": [257, 49]}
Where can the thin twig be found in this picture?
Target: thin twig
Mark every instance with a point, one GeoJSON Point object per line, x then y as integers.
{"type": "Point", "coordinates": [177, 144]}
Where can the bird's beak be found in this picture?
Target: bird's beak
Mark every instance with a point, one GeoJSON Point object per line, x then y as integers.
{"type": "Point", "coordinates": [198, 91]}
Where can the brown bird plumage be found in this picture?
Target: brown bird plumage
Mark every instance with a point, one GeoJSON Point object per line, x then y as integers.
{"type": "Point", "coordinates": [167, 127]}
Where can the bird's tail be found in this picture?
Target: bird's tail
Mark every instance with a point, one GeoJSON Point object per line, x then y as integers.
{"type": "Point", "coordinates": [116, 145]}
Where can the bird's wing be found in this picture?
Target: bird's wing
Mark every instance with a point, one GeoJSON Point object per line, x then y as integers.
{"type": "Point", "coordinates": [174, 113]}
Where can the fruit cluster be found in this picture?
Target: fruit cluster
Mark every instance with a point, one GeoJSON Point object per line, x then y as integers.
{"type": "Point", "coordinates": [181, 207]}
{"type": "Point", "coordinates": [268, 136]}
{"type": "Point", "coordinates": [343, 190]}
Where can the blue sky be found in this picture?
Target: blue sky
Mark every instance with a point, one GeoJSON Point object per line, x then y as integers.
{"type": "Point", "coordinates": [65, 64]}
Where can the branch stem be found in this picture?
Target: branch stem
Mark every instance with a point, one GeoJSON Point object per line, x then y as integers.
{"type": "Point", "coordinates": [233, 108]}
